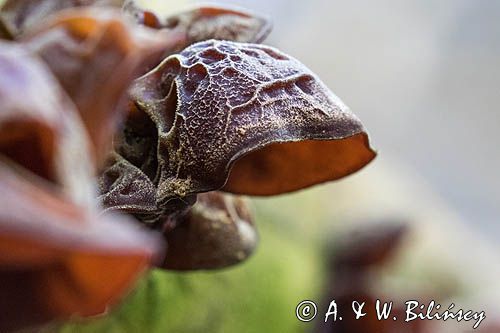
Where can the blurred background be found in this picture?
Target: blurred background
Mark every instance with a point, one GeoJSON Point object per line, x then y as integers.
{"type": "Point", "coordinates": [424, 77]}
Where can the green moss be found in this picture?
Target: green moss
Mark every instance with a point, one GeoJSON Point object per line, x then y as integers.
{"type": "Point", "coordinates": [259, 295]}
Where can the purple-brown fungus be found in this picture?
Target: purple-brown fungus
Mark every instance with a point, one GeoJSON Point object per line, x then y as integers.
{"type": "Point", "coordinates": [233, 116]}
{"type": "Point", "coordinates": [59, 257]}
{"type": "Point", "coordinates": [237, 117]}
{"type": "Point", "coordinates": [18, 16]}
{"type": "Point", "coordinates": [206, 22]}
{"type": "Point", "coordinates": [95, 54]}
{"type": "Point", "coordinates": [217, 232]}
{"type": "Point", "coordinates": [207, 111]}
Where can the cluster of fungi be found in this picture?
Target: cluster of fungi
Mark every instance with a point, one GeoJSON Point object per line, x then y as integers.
{"type": "Point", "coordinates": [126, 138]}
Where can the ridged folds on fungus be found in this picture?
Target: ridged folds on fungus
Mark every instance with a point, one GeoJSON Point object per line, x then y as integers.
{"type": "Point", "coordinates": [218, 113]}
{"type": "Point", "coordinates": [223, 115]}
{"type": "Point", "coordinates": [59, 258]}
{"type": "Point", "coordinates": [243, 118]}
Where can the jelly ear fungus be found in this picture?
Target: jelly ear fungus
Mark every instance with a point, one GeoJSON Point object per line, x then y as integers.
{"type": "Point", "coordinates": [95, 54]}
{"type": "Point", "coordinates": [246, 119]}
{"type": "Point", "coordinates": [18, 16]}
{"type": "Point", "coordinates": [59, 256]}
{"type": "Point", "coordinates": [205, 22]}
{"type": "Point", "coordinates": [216, 232]}
{"type": "Point", "coordinates": [219, 113]}
{"type": "Point", "coordinates": [237, 117]}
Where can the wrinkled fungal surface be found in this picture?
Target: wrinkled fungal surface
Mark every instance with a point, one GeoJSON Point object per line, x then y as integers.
{"type": "Point", "coordinates": [239, 117]}
{"type": "Point", "coordinates": [233, 116]}
{"type": "Point", "coordinates": [207, 112]}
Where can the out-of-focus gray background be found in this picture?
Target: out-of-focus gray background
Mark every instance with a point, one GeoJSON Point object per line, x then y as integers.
{"type": "Point", "coordinates": [423, 75]}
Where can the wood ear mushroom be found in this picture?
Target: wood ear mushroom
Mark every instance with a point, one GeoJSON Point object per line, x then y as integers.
{"type": "Point", "coordinates": [59, 257]}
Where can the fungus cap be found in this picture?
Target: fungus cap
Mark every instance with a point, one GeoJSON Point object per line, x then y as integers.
{"type": "Point", "coordinates": [248, 119]}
